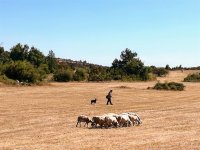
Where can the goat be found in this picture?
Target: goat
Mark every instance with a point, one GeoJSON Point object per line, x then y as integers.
{"type": "Point", "coordinates": [83, 118]}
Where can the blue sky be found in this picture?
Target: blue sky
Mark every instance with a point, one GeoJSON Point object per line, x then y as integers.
{"type": "Point", "coordinates": [160, 31]}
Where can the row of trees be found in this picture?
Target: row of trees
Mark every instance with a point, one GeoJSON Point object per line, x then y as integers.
{"type": "Point", "coordinates": [30, 65]}
{"type": "Point", "coordinates": [26, 64]}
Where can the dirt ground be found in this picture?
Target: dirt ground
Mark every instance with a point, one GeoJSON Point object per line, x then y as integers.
{"type": "Point", "coordinates": [44, 117]}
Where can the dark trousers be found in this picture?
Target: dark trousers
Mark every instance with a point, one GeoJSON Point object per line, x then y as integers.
{"type": "Point", "coordinates": [109, 101]}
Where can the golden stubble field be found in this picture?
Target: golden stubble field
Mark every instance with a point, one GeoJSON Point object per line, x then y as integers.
{"type": "Point", "coordinates": [44, 117]}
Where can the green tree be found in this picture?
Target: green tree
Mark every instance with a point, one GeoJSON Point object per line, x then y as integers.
{"type": "Point", "coordinates": [5, 57]}
{"type": "Point", "coordinates": [1, 50]}
{"type": "Point", "coordinates": [22, 71]}
{"type": "Point", "coordinates": [135, 66]}
{"type": "Point", "coordinates": [94, 73]}
{"type": "Point", "coordinates": [51, 60]}
{"type": "Point", "coordinates": [167, 67]}
{"type": "Point", "coordinates": [144, 73]}
{"type": "Point", "coordinates": [36, 57]}
{"type": "Point", "coordinates": [19, 52]}
{"type": "Point", "coordinates": [63, 75]}
{"type": "Point", "coordinates": [129, 66]}
{"type": "Point", "coordinates": [80, 74]}
{"type": "Point", "coordinates": [180, 67]}
{"type": "Point", "coordinates": [160, 72]}
{"type": "Point", "coordinates": [127, 55]}
{"type": "Point", "coordinates": [99, 73]}
{"type": "Point", "coordinates": [43, 70]}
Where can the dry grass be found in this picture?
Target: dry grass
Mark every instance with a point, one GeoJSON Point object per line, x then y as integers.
{"type": "Point", "coordinates": [44, 117]}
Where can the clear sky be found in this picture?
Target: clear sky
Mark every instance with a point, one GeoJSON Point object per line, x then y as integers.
{"type": "Point", "coordinates": [160, 31]}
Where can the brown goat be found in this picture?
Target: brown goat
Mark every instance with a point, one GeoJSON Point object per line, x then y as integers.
{"type": "Point", "coordinates": [83, 118]}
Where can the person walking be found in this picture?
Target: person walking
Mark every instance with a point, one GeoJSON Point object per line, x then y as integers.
{"type": "Point", "coordinates": [109, 97]}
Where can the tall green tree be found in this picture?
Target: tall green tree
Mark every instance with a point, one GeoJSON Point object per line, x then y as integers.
{"type": "Point", "coordinates": [117, 68]}
{"type": "Point", "coordinates": [167, 67]}
{"type": "Point", "coordinates": [19, 52]}
{"type": "Point", "coordinates": [1, 50]}
{"type": "Point", "coordinates": [4, 55]}
{"type": "Point", "coordinates": [51, 60]}
{"type": "Point", "coordinates": [36, 57]}
{"type": "Point", "coordinates": [127, 55]}
{"type": "Point", "coordinates": [129, 65]}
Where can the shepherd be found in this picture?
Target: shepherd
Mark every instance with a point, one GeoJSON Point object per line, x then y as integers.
{"type": "Point", "coordinates": [109, 97]}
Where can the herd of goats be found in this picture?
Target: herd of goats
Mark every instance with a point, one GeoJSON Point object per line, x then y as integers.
{"type": "Point", "coordinates": [110, 120]}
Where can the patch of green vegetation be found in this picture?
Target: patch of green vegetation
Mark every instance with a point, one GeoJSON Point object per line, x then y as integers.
{"type": "Point", "coordinates": [193, 78]}
{"type": "Point", "coordinates": [30, 66]}
{"type": "Point", "coordinates": [169, 86]}
{"type": "Point", "coordinates": [6, 80]}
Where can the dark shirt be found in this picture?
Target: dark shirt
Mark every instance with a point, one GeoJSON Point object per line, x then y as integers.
{"type": "Point", "coordinates": [110, 94]}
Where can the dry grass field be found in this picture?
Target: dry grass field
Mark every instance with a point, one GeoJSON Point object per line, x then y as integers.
{"type": "Point", "coordinates": [44, 117]}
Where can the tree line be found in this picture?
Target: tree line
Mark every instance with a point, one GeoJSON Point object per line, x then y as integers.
{"type": "Point", "coordinates": [29, 65]}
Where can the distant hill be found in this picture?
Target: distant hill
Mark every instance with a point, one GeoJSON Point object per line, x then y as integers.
{"type": "Point", "coordinates": [74, 63]}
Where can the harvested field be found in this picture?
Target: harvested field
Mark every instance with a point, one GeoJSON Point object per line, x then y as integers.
{"type": "Point", "coordinates": [44, 117]}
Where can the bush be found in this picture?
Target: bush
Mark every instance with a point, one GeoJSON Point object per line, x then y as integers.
{"type": "Point", "coordinates": [22, 71]}
{"type": "Point", "coordinates": [160, 72]}
{"type": "Point", "coordinates": [80, 75]}
{"type": "Point", "coordinates": [6, 80]}
{"type": "Point", "coordinates": [169, 86]}
{"type": "Point", "coordinates": [63, 75]}
{"type": "Point", "coordinates": [151, 77]}
{"type": "Point", "coordinates": [193, 78]}
{"type": "Point", "coordinates": [116, 77]}
{"type": "Point", "coordinates": [43, 71]}
{"type": "Point", "coordinates": [130, 78]}
{"type": "Point", "coordinates": [2, 68]}
{"type": "Point", "coordinates": [95, 77]}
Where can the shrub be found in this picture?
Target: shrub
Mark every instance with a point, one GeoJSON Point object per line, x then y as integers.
{"type": "Point", "coordinates": [116, 77]}
{"type": "Point", "coordinates": [95, 77]}
{"type": "Point", "coordinates": [22, 71]}
{"type": "Point", "coordinates": [151, 77]}
{"type": "Point", "coordinates": [131, 78]}
{"type": "Point", "coordinates": [169, 86]}
{"type": "Point", "coordinates": [128, 78]}
{"type": "Point", "coordinates": [43, 71]}
{"type": "Point", "coordinates": [2, 68]}
{"type": "Point", "coordinates": [6, 80]}
{"type": "Point", "coordinates": [80, 75]}
{"type": "Point", "coordinates": [160, 72]}
{"type": "Point", "coordinates": [63, 75]}
{"type": "Point", "coordinates": [193, 78]}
